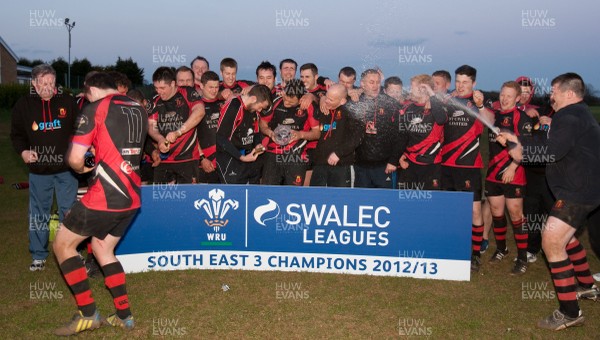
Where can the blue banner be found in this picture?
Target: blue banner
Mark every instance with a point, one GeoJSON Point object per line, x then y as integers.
{"type": "Point", "coordinates": [415, 233]}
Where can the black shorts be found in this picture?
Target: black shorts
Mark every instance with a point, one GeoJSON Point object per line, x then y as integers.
{"type": "Point", "coordinates": [507, 190]}
{"type": "Point", "coordinates": [208, 177]}
{"type": "Point", "coordinates": [182, 173]}
{"type": "Point", "coordinates": [147, 172]}
{"type": "Point", "coordinates": [234, 171]}
{"type": "Point", "coordinates": [573, 214]}
{"type": "Point", "coordinates": [277, 171]}
{"type": "Point", "coordinates": [462, 179]}
{"type": "Point", "coordinates": [97, 223]}
{"type": "Point", "coordinates": [420, 177]}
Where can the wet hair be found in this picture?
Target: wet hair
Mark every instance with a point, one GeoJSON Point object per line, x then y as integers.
{"type": "Point", "coordinates": [164, 73]}
{"type": "Point", "coordinates": [570, 81]}
{"type": "Point", "coordinates": [423, 79]}
{"type": "Point", "coordinates": [42, 70]}
{"type": "Point", "coordinates": [288, 60]}
{"type": "Point", "coordinates": [468, 71]}
{"type": "Point", "coordinates": [228, 62]}
{"type": "Point", "coordinates": [444, 74]}
{"type": "Point", "coordinates": [348, 72]}
{"type": "Point", "coordinates": [310, 66]}
{"type": "Point", "coordinates": [369, 71]}
{"type": "Point", "coordinates": [201, 59]}
{"type": "Point", "coordinates": [265, 65]}
{"type": "Point", "coordinates": [209, 76]}
{"type": "Point", "coordinates": [512, 85]}
{"type": "Point", "coordinates": [295, 88]}
{"type": "Point", "coordinates": [392, 81]}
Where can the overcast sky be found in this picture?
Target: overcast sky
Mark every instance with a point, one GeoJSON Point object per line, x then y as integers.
{"type": "Point", "coordinates": [502, 39]}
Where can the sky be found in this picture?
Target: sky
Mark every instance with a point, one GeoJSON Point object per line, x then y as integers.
{"type": "Point", "coordinates": [502, 39]}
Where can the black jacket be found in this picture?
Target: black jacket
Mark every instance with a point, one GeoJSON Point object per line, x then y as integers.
{"type": "Point", "coordinates": [381, 143]}
{"type": "Point", "coordinates": [572, 151]}
{"type": "Point", "coordinates": [45, 127]}
{"type": "Point", "coordinates": [340, 133]}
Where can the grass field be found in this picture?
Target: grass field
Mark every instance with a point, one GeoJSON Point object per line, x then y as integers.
{"type": "Point", "coordinates": [192, 304]}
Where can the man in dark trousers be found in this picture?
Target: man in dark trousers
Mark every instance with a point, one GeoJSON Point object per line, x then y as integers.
{"type": "Point", "coordinates": [379, 152]}
{"type": "Point", "coordinates": [340, 135]}
{"type": "Point", "coordinates": [572, 174]}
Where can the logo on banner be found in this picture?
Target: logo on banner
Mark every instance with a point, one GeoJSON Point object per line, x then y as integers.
{"type": "Point", "coordinates": [266, 212]}
{"type": "Point", "coordinates": [216, 208]}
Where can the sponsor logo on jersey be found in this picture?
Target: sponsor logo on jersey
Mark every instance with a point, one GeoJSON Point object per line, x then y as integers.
{"type": "Point", "coordinates": [126, 167]}
{"type": "Point", "coordinates": [458, 114]}
{"type": "Point", "coordinates": [131, 151]}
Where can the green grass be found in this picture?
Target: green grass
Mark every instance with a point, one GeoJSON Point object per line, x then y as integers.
{"type": "Point", "coordinates": [490, 306]}
{"type": "Point", "coordinates": [596, 112]}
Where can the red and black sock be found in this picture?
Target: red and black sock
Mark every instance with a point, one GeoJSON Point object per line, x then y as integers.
{"type": "Point", "coordinates": [578, 257]}
{"type": "Point", "coordinates": [563, 276]}
{"type": "Point", "coordinates": [499, 223]}
{"type": "Point", "coordinates": [89, 247]}
{"type": "Point", "coordinates": [476, 238]}
{"type": "Point", "coordinates": [521, 237]}
{"type": "Point", "coordinates": [76, 277]}
{"type": "Point", "coordinates": [114, 278]}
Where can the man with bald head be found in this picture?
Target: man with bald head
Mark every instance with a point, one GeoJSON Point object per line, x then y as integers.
{"type": "Point", "coordinates": [340, 136]}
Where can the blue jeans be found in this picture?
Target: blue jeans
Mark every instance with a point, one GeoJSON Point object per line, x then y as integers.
{"type": "Point", "coordinates": [41, 191]}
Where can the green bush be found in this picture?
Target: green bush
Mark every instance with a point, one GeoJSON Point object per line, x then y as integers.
{"type": "Point", "coordinates": [10, 93]}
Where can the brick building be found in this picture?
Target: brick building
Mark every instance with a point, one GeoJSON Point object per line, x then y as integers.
{"type": "Point", "coordinates": [10, 71]}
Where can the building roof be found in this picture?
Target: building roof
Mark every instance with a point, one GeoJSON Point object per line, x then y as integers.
{"type": "Point", "coordinates": [10, 51]}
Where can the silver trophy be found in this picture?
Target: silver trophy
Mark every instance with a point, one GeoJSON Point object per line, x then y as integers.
{"type": "Point", "coordinates": [282, 134]}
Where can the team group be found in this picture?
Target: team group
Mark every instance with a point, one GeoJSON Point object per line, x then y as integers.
{"type": "Point", "coordinates": [206, 128]}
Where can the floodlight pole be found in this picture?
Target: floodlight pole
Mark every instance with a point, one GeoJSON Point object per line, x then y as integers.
{"type": "Point", "coordinates": [69, 28]}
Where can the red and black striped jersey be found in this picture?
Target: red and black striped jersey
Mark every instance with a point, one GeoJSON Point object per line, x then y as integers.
{"type": "Point", "coordinates": [170, 115]}
{"type": "Point", "coordinates": [319, 91]}
{"type": "Point", "coordinates": [462, 133]}
{"type": "Point", "coordinates": [424, 135]}
{"type": "Point", "coordinates": [237, 128]}
{"type": "Point", "coordinates": [517, 122]}
{"type": "Point", "coordinates": [116, 127]}
{"type": "Point", "coordinates": [294, 117]}
{"type": "Point", "coordinates": [207, 128]}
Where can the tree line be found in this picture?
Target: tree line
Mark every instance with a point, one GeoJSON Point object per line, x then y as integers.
{"type": "Point", "coordinates": [80, 67]}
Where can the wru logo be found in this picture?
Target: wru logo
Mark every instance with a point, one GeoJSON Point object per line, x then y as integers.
{"type": "Point", "coordinates": [216, 208]}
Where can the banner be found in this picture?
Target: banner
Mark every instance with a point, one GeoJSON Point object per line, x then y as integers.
{"type": "Point", "coordinates": [412, 233]}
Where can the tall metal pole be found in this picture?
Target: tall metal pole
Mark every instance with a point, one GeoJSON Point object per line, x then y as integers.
{"type": "Point", "coordinates": [69, 28]}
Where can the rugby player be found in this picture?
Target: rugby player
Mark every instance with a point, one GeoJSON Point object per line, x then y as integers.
{"type": "Point", "coordinates": [107, 209]}
{"type": "Point", "coordinates": [572, 147]}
